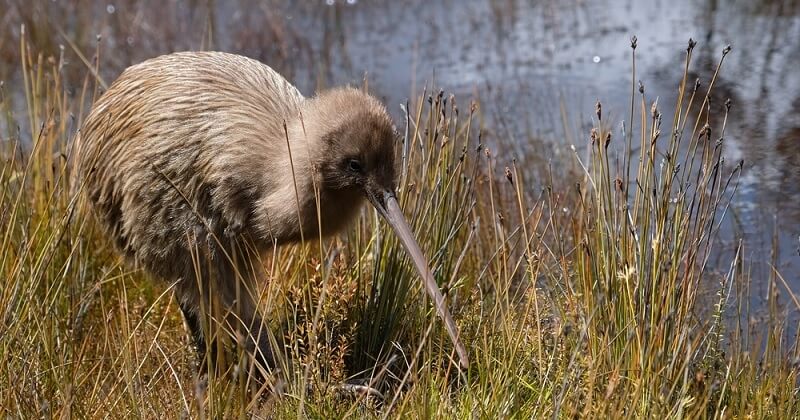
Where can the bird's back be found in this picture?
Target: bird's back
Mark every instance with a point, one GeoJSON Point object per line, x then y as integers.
{"type": "Point", "coordinates": [168, 155]}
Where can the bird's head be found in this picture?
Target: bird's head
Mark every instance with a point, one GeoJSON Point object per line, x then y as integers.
{"type": "Point", "coordinates": [355, 146]}
{"type": "Point", "coordinates": [357, 150]}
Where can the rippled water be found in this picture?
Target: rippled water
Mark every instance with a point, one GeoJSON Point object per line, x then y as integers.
{"type": "Point", "coordinates": [524, 59]}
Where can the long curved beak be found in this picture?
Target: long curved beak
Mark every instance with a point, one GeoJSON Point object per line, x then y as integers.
{"type": "Point", "coordinates": [386, 204]}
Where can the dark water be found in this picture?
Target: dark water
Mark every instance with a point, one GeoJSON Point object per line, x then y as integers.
{"type": "Point", "coordinates": [524, 59]}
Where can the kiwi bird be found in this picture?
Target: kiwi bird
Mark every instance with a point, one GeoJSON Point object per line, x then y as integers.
{"type": "Point", "coordinates": [198, 163]}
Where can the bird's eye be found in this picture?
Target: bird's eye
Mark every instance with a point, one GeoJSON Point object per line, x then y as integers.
{"type": "Point", "coordinates": [354, 165]}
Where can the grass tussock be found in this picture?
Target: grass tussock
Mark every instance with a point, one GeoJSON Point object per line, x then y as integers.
{"type": "Point", "coordinates": [591, 296]}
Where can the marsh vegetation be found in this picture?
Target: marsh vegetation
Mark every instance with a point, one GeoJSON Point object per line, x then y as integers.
{"type": "Point", "coordinates": [587, 285]}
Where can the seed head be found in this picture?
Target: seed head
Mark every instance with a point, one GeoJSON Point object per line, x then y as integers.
{"type": "Point", "coordinates": [726, 50]}
{"type": "Point", "coordinates": [619, 184]}
{"type": "Point", "coordinates": [706, 131]}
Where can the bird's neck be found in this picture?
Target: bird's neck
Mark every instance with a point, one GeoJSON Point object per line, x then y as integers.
{"type": "Point", "coordinates": [288, 206]}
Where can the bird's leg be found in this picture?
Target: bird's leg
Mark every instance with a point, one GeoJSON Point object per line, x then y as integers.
{"type": "Point", "coordinates": [238, 293]}
{"type": "Point", "coordinates": [246, 325]}
{"type": "Point", "coordinates": [220, 307]}
{"type": "Point", "coordinates": [195, 329]}
{"type": "Point", "coordinates": [259, 346]}
{"type": "Point", "coordinates": [198, 337]}
{"type": "Point", "coordinates": [199, 324]}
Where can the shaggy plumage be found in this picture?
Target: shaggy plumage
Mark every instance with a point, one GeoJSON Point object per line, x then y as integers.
{"type": "Point", "coordinates": [197, 163]}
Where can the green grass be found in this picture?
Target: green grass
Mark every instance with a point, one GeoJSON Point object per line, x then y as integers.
{"type": "Point", "coordinates": [592, 296]}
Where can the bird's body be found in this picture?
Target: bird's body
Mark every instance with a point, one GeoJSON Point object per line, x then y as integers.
{"type": "Point", "coordinates": [202, 134]}
{"type": "Point", "coordinates": [215, 157]}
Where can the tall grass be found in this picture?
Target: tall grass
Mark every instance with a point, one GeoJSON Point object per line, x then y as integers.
{"type": "Point", "coordinates": [590, 297]}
